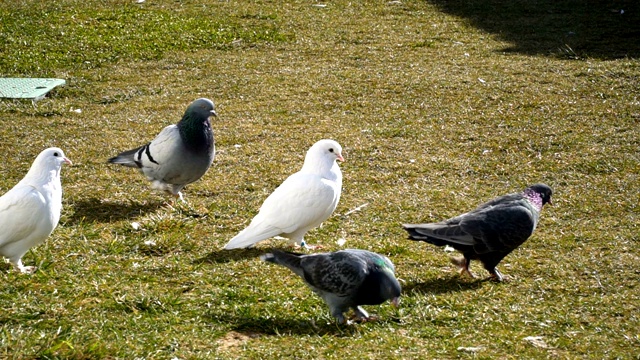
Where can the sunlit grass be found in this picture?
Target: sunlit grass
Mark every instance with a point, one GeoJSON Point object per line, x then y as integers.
{"type": "Point", "coordinates": [434, 118]}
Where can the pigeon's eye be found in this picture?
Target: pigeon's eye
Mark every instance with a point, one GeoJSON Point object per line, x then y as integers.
{"type": "Point", "coordinates": [56, 154]}
{"type": "Point", "coordinates": [331, 150]}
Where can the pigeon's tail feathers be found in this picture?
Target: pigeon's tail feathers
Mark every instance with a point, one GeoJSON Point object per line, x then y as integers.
{"type": "Point", "coordinates": [439, 234]}
{"type": "Point", "coordinates": [242, 241]}
{"type": "Point", "coordinates": [236, 244]}
{"type": "Point", "coordinates": [290, 260]}
{"type": "Point", "coordinates": [128, 158]}
{"type": "Point", "coordinates": [252, 235]}
{"type": "Point", "coordinates": [268, 257]}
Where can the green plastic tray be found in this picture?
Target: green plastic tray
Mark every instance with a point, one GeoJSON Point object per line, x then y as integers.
{"type": "Point", "coordinates": [27, 88]}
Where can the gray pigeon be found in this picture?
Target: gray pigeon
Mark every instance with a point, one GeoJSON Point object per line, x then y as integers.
{"type": "Point", "coordinates": [491, 231]}
{"type": "Point", "coordinates": [30, 211]}
{"type": "Point", "coordinates": [344, 279]}
{"type": "Point", "coordinates": [180, 154]}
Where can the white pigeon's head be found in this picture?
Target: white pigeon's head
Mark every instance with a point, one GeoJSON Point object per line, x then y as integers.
{"type": "Point", "coordinates": [326, 149]}
{"type": "Point", "coordinates": [49, 159]}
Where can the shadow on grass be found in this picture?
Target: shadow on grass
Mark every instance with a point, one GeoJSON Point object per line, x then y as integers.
{"type": "Point", "coordinates": [441, 286]}
{"type": "Point", "coordinates": [96, 210]}
{"type": "Point", "coordinates": [225, 256]}
{"type": "Point", "coordinates": [573, 28]}
{"type": "Point", "coordinates": [283, 325]}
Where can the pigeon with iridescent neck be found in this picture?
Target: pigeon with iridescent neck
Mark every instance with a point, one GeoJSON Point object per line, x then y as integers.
{"type": "Point", "coordinates": [491, 231]}
{"type": "Point", "coordinates": [180, 154]}
{"type": "Point", "coordinates": [30, 211]}
{"type": "Point", "coordinates": [344, 279]}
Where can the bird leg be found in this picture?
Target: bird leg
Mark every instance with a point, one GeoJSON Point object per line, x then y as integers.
{"type": "Point", "coordinates": [23, 269]}
{"type": "Point", "coordinates": [497, 276]}
{"type": "Point", "coordinates": [304, 245]}
{"type": "Point", "coordinates": [361, 314]}
{"type": "Point", "coordinates": [463, 266]}
{"type": "Point", "coordinates": [337, 313]}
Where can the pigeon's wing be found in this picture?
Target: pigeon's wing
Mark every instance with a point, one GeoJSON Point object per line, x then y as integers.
{"type": "Point", "coordinates": [303, 200]}
{"type": "Point", "coordinates": [300, 203]}
{"type": "Point", "coordinates": [441, 233]}
{"type": "Point", "coordinates": [159, 158]}
{"type": "Point", "coordinates": [18, 209]}
{"type": "Point", "coordinates": [151, 157]}
{"type": "Point", "coordinates": [338, 273]}
{"type": "Point", "coordinates": [452, 231]}
{"type": "Point", "coordinates": [499, 228]}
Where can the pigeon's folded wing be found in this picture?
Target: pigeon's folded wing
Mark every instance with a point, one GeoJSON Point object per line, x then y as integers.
{"type": "Point", "coordinates": [162, 147]}
{"type": "Point", "coordinates": [336, 273]}
{"type": "Point", "coordinates": [302, 200]}
{"type": "Point", "coordinates": [499, 228]}
{"type": "Point", "coordinates": [16, 206]}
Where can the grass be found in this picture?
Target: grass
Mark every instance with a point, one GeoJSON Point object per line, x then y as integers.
{"type": "Point", "coordinates": [438, 105]}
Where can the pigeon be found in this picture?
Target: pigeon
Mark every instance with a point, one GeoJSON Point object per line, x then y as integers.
{"type": "Point", "coordinates": [302, 202]}
{"type": "Point", "coordinates": [490, 232]}
{"type": "Point", "coordinates": [30, 211]}
{"type": "Point", "coordinates": [180, 154]}
{"type": "Point", "coordinates": [344, 279]}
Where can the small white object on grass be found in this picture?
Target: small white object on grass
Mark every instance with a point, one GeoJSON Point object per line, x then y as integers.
{"type": "Point", "coordinates": [471, 349]}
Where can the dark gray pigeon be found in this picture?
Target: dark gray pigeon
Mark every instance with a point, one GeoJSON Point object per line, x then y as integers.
{"type": "Point", "coordinates": [180, 154]}
{"type": "Point", "coordinates": [344, 279]}
{"type": "Point", "coordinates": [491, 231]}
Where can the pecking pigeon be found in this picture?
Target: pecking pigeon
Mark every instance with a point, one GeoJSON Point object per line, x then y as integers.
{"type": "Point", "coordinates": [302, 202]}
{"type": "Point", "coordinates": [30, 211]}
{"type": "Point", "coordinates": [180, 154]}
{"type": "Point", "coordinates": [344, 279]}
{"type": "Point", "coordinates": [491, 231]}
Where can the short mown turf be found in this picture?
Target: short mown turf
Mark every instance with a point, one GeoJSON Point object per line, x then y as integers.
{"type": "Point", "coordinates": [439, 106]}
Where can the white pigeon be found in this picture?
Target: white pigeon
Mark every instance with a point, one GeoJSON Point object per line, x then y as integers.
{"type": "Point", "coordinates": [30, 211]}
{"type": "Point", "coordinates": [302, 202]}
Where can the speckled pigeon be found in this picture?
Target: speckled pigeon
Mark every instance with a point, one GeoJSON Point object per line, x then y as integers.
{"type": "Point", "coordinates": [491, 231]}
{"type": "Point", "coordinates": [344, 279]}
{"type": "Point", "coordinates": [302, 202]}
{"type": "Point", "coordinates": [30, 211]}
{"type": "Point", "coordinates": [180, 154]}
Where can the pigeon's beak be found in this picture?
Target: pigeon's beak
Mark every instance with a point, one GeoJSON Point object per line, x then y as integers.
{"type": "Point", "coordinates": [395, 302]}
{"type": "Point", "coordinates": [340, 157]}
{"type": "Point", "coordinates": [214, 113]}
{"type": "Point", "coordinates": [67, 161]}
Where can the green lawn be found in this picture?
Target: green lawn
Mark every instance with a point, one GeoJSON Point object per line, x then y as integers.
{"type": "Point", "coordinates": [439, 106]}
